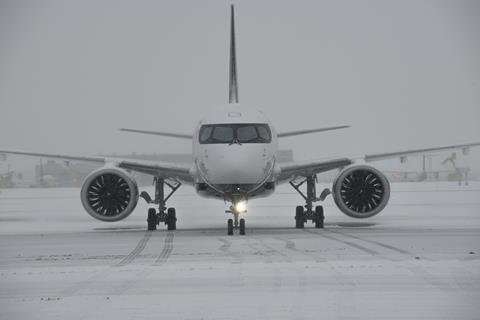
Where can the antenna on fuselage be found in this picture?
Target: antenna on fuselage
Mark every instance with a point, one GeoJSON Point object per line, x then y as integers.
{"type": "Point", "coordinates": [233, 88]}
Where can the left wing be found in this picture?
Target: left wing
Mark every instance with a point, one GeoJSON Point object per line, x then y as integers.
{"type": "Point", "coordinates": [382, 156]}
{"type": "Point", "coordinates": [159, 169]}
{"type": "Point", "coordinates": [299, 132]}
{"type": "Point", "coordinates": [291, 171]}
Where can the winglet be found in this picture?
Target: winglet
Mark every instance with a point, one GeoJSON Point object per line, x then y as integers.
{"type": "Point", "coordinates": [233, 87]}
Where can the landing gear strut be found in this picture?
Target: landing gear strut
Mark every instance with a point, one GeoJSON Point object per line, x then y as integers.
{"type": "Point", "coordinates": [308, 212]}
{"type": "Point", "coordinates": [169, 217]}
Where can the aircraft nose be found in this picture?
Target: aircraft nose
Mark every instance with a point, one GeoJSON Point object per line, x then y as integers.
{"type": "Point", "coordinates": [238, 166]}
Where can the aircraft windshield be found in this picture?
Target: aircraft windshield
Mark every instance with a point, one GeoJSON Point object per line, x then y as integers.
{"type": "Point", "coordinates": [235, 133]}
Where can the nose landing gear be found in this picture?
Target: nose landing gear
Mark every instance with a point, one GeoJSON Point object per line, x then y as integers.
{"type": "Point", "coordinates": [235, 223]}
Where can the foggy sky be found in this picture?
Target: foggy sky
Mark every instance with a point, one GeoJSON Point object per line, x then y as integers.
{"type": "Point", "coordinates": [404, 74]}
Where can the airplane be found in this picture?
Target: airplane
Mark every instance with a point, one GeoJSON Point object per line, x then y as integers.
{"type": "Point", "coordinates": [235, 160]}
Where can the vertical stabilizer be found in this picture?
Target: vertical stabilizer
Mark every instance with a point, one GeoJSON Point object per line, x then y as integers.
{"type": "Point", "coordinates": [233, 88]}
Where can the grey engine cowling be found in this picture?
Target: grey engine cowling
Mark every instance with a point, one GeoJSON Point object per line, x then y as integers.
{"type": "Point", "coordinates": [109, 194]}
{"type": "Point", "coordinates": [361, 191]}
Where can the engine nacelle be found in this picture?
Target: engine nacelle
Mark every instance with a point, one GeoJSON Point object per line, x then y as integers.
{"type": "Point", "coordinates": [361, 191]}
{"type": "Point", "coordinates": [109, 194]}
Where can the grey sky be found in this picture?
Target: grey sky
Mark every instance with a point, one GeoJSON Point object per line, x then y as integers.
{"type": "Point", "coordinates": [402, 73]}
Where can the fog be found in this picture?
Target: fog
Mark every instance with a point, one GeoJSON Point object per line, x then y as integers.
{"type": "Point", "coordinates": [403, 74]}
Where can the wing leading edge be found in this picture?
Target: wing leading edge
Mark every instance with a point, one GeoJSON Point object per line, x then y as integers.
{"type": "Point", "coordinates": [299, 132]}
{"type": "Point", "coordinates": [159, 133]}
{"type": "Point", "coordinates": [159, 169]}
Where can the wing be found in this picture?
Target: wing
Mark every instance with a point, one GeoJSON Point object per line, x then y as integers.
{"type": "Point", "coordinates": [158, 133]}
{"type": "Point", "coordinates": [159, 169]}
{"type": "Point", "coordinates": [299, 132]}
{"type": "Point", "coordinates": [290, 171]}
{"type": "Point", "coordinates": [401, 154]}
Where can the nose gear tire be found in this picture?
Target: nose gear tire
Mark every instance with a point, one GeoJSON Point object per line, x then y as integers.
{"type": "Point", "coordinates": [242, 227]}
{"type": "Point", "coordinates": [230, 227]}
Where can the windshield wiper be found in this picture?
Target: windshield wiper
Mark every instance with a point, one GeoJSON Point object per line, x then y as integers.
{"type": "Point", "coordinates": [235, 140]}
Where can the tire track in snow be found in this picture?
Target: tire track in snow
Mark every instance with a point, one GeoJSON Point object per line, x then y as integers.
{"type": "Point", "coordinates": [144, 272]}
{"type": "Point", "coordinates": [350, 244]}
{"type": "Point", "coordinates": [135, 252]}
{"type": "Point", "coordinates": [166, 251]}
{"type": "Point", "coordinates": [412, 266]}
{"type": "Point", "coordinates": [381, 244]}
{"type": "Point", "coordinates": [73, 290]}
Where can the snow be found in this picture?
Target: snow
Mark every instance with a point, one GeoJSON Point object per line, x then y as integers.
{"type": "Point", "coordinates": [418, 259]}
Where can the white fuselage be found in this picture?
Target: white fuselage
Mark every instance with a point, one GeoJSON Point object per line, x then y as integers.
{"type": "Point", "coordinates": [235, 167]}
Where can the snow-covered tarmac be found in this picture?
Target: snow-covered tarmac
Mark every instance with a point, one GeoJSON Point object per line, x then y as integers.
{"type": "Point", "coordinates": [418, 259]}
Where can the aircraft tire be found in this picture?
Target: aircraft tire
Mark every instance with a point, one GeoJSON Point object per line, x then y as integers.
{"type": "Point", "coordinates": [319, 217]}
{"type": "Point", "coordinates": [299, 217]}
{"type": "Point", "coordinates": [242, 227]}
{"type": "Point", "coordinates": [230, 227]}
{"type": "Point", "coordinates": [171, 219]}
{"type": "Point", "coordinates": [152, 219]}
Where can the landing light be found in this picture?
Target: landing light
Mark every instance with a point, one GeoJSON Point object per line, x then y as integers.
{"type": "Point", "coordinates": [241, 206]}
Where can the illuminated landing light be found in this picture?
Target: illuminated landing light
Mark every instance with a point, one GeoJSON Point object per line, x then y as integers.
{"type": "Point", "coordinates": [241, 206]}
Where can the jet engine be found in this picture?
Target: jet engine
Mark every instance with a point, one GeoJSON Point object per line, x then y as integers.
{"type": "Point", "coordinates": [361, 191]}
{"type": "Point", "coordinates": [109, 194]}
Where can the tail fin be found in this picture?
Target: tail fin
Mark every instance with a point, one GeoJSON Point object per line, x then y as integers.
{"type": "Point", "coordinates": [233, 88]}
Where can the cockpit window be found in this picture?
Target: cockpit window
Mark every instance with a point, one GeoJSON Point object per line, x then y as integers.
{"type": "Point", "coordinates": [222, 134]}
{"type": "Point", "coordinates": [247, 134]}
{"type": "Point", "coordinates": [235, 133]}
{"type": "Point", "coordinates": [205, 134]}
{"type": "Point", "coordinates": [264, 133]}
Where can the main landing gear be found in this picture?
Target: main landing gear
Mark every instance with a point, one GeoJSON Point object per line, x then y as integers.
{"type": "Point", "coordinates": [235, 223]}
{"type": "Point", "coordinates": [308, 212]}
{"type": "Point", "coordinates": [169, 217]}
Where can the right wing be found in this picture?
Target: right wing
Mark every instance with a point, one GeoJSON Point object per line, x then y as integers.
{"type": "Point", "coordinates": [158, 169]}
{"type": "Point", "coordinates": [158, 133]}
